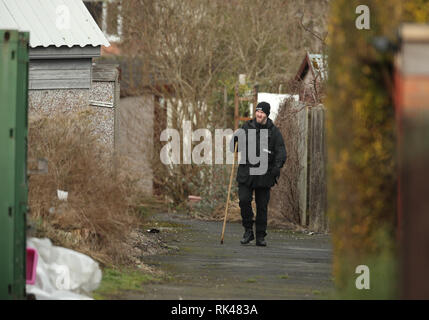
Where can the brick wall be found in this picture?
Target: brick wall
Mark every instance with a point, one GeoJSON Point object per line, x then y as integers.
{"type": "Point", "coordinates": [412, 112]}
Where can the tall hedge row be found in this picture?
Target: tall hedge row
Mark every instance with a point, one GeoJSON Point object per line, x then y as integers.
{"type": "Point", "coordinates": [362, 142]}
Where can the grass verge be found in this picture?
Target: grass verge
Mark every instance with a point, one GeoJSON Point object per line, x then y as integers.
{"type": "Point", "coordinates": [118, 283]}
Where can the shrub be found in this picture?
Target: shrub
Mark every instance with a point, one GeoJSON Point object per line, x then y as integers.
{"type": "Point", "coordinates": [97, 216]}
{"type": "Point", "coordinates": [361, 135]}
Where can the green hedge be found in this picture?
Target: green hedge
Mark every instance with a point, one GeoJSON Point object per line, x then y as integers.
{"type": "Point", "coordinates": [362, 141]}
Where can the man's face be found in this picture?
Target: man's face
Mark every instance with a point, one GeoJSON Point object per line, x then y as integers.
{"type": "Point", "coordinates": [261, 117]}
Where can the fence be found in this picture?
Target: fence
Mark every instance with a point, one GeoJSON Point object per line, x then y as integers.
{"type": "Point", "coordinates": [13, 159]}
{"type": "Point", "coordinates": [317, 170]}
{"type": "Point", "coordinates": [300, 197]}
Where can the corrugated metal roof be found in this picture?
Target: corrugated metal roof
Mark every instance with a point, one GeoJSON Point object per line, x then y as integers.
{"type": "Point", "coordinates": [40, 17]}
{"type": "Point", "coordinates": [6, 20]}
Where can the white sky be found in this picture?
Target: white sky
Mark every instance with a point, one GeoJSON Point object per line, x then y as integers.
{"type": "Point", "coordinates": [275, 101]}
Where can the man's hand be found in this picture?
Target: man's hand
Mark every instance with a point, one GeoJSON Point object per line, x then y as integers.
{"type": "Point", "coordinates": [234, 140]}
{"type": "Point", "coordinates": [275, 171]}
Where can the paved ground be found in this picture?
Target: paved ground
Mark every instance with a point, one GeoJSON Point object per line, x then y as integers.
{"type": "Point", "coordinates": [292, 266]}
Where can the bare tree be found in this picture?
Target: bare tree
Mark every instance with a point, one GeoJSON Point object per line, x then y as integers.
{"type": "Point", "coordinates": [192, 48]}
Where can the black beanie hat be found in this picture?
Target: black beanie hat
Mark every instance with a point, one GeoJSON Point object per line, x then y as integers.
{"type": "Point", "coordinates": [265, 107]}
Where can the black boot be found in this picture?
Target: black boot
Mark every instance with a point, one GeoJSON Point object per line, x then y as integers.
{"type": "Point", "coordinates": [248, 236]}
{"type": "Point", "coordinates": [260, 241]}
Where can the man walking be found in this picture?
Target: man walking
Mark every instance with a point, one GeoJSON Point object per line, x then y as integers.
{"type": "Point", "coordinates": [260, 184]}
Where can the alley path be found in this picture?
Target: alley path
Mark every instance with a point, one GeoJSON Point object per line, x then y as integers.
{"type": "Point", "coordinates": [292, 266]}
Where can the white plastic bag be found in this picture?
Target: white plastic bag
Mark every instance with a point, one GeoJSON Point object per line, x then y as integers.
{"type": "Point", "coordinates": [62, 274]}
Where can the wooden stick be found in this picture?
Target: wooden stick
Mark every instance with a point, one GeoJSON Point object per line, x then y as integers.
{"type": "Point", "coordinates": [229, 192]}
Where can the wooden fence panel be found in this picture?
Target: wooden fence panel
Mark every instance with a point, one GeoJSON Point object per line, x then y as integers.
{"type": "Point", "coordinates": [302, 122]}
{"type": "Point", "coordinates": [316, 170]}
{"type": "Point", "coordinates": [300, 196]}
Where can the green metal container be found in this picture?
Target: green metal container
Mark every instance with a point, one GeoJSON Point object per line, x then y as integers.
{"type": "Point", "coordinates": [13, 162]}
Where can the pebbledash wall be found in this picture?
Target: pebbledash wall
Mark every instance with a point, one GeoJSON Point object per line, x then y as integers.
{"type": "Point", "coordinates": [136, 120]}
{"type": "Point", "coordinates": [64, 41]}
{"type": "Point", "coordinates": [102, 97]}
{"type": "Point", "coordinates": [125, 124]}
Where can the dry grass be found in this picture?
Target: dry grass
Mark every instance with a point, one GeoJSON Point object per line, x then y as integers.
{"type": "Point", "coordinates": [98, 214]}
{"type": "Point", "coordinates": [233, 211]}
{"type": "Point", "coordinates": [284, 203]}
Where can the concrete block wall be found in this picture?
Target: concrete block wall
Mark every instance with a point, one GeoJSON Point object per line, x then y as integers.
{"type": "Point", "coordinates": [135, 139]}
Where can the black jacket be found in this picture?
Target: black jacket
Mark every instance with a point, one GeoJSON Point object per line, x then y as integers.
{"type": "Point", "coordinates": [276, 156]}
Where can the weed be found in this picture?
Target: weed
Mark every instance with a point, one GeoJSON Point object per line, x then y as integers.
{"type": "Point", "coordinates": [116, 282]}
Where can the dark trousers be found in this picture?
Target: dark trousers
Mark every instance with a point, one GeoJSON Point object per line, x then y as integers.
{"type": "Point", "coordinates": [262, 196]}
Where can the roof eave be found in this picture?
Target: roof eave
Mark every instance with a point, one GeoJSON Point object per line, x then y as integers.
{"type": "Point", "coordinates": [65, 52]}
{"type": "Point", "coordinates": [305, 61]}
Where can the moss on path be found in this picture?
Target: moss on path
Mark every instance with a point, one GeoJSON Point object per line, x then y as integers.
{"type": "Point", "coordinates": [292, 266]}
